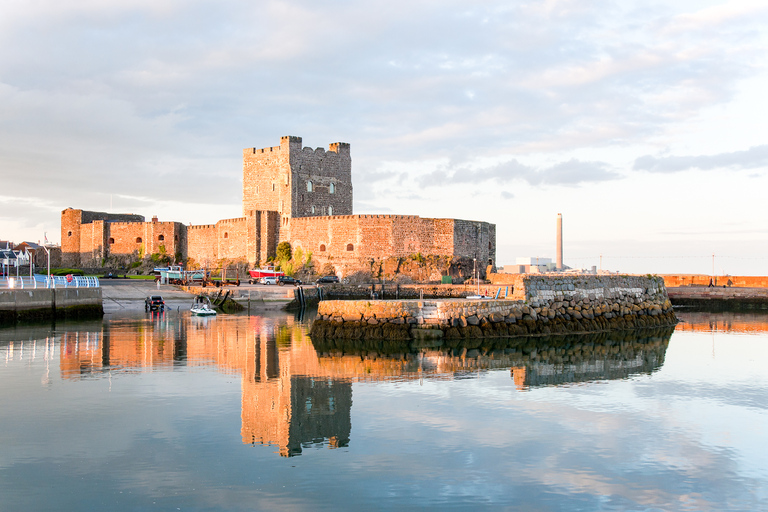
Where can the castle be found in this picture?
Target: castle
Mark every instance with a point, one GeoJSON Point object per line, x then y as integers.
{"type": "Point", "coordinates": [290, 193]}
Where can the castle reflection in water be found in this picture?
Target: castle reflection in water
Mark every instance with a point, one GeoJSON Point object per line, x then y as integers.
{"type": "Point", "coordinates": [296, 393]}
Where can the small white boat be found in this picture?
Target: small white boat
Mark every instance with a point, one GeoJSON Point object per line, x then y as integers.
{"type": "Point", "coordinates": [202, 307]}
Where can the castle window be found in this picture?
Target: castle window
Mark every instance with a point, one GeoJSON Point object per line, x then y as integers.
{"type": "Point", "coordinates": [226, 235]}
{"type": "Point", "coordinates": [111, 241]}
{"type": "Point", "coordinates": [311, 209]}
{"type": "Point", "coordinates": [350, 247]}
{"type": "Point", "coordinates": [322, 247]}
{"type": "Point", "coordinates": [161, 237]}
{"type": "Point", "coordinates": [330, 210]}
{"type": "Point", "coordinates": [309, 186]}
{"type": "Point", "coordinates": [302, 198]}
{"type": "Point", "coordinates": [489, 246]}
{"type": "Point", "coordinates": [69, 233]}
{"type": "Point", "coordinates": [138, 239]}
{"type": "Point", "coordinates": [176, 238]}
{"type": "Point", "coordinates": [332, 189]}
{"type": "Point", "coordinates": [273, 187]}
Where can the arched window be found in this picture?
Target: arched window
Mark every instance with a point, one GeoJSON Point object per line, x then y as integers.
{"type": "Point", "coordinates": [489, 246]}
{"type": "Point", "coordinates": [161, 237]}
{"type": "Point", "coordinates": [313, 210]}
{"type": "Point", "coordinates": [350, 247]}
{"type": "Point", "coordinates": [309, 186]}
{"type": "Point", "coordinates": [332, 189]}
{"type": "Point", "coordinates": [176, 238]}
{"type": "Point", "coordinates": [69, 233]}
{"type": "Point", "coordinates": [322, 247]}
{"type": "Point", "coordinates": [138, 239]}
{"type": "Point", "coordinates": [226, 235]}
{"type": "Point", "coordinates": [330, 210]}
{"type": "Point", "coordinates": [111, 240]}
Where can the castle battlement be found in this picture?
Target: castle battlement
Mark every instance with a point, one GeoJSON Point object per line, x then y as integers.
{"type": "Point", "coordinates": [231, 221]}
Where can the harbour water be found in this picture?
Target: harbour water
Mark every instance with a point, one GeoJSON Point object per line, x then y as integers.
{"type": "Point", "coordinates": [168, 412]}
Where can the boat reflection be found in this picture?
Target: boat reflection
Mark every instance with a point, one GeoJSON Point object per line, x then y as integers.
{"type": "Point", "coordinates": [297, 394]}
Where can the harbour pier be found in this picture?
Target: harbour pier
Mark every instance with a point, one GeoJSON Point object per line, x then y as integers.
{"type": "Point", "coordinates": [541, 304]}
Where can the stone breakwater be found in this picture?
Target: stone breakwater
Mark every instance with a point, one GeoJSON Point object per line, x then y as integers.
{"type": "Point", "coordinates": [550, 304]}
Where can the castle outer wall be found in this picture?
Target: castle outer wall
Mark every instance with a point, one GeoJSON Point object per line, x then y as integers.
{"type": "Point", "coordinates": [351, 242]}
{"type": "Point", "coordinates": [252, 238]}
{"type": "Point", "coordinates": [88, 238]}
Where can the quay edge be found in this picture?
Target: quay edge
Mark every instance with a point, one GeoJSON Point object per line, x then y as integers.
{"type": "Point", "coordinates": [44, 304]}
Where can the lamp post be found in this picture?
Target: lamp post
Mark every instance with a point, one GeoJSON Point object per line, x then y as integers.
{"type": "Point", "coordinates": [47, 248]}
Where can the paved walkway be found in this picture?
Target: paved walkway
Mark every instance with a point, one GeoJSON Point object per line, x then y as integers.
{"type": "Point", "coordinates": [127, 295]}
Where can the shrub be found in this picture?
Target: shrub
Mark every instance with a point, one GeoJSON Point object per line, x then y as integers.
{"type": "Point", "coordinates": [283, 252]}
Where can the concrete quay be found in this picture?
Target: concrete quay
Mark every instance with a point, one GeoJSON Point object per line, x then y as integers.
{"type": "Point", "coordinates": [35, 304]}
{"type": "Point", "coordinates": [719, 298]}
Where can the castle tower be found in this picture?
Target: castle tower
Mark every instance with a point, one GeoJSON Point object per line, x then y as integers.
{"type": "Point", "coordinates": [296, 181]}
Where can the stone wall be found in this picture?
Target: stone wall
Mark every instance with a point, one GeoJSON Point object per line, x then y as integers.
{"type": "Point", "coordinates": [546, 304]}
{"type": "Point", "coordinates": [75, 243]}
{"type": "Point", "coordinates": [89, 238]}
{"type": "Point", "coordinates": [252, 238]}
{"type": "Point", "coordinates": [354, 243]}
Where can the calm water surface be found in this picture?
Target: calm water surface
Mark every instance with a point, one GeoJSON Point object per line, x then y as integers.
{"type": "Point", "coordinates": [168, 412]}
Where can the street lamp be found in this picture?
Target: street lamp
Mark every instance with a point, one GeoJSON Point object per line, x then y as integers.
{"type": "Point", "coordinates": [47, 247]}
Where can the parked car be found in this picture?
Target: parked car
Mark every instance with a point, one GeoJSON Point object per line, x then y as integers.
{"type": "Point", "coordinates": [268, 280]}
{"type": "Point", "coordinates": [154, 303]}
{"type": "Point", "coordinates": [328, 279]}
{"type": "Point", "coordinates": [282, 280]}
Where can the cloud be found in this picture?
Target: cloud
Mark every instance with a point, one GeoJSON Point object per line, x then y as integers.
{"type": "Point", "coordinates": [568, 173]}
{"type": "Point", "coordinates": [753, 158]}
{"type": "Point", "coordinates": [157, 98]}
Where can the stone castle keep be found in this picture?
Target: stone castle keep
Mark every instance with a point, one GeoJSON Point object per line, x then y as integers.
{"type": "Point", "coordinates": [290, 193]}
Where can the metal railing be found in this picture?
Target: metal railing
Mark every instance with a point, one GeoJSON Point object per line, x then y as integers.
{"type": "Point", "coordinates": [41, 281]}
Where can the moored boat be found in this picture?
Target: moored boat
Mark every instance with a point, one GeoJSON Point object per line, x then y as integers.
{"type": "Point", "coordinates": [202, 307]}
{"type": "Point", "coordinates": [257, 273]}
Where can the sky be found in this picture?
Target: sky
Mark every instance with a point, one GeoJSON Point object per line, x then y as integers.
{"type": "Point", "coordinates": [642, 122]}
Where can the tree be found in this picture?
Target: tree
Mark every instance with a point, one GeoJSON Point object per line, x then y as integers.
{"type": "Point", "coordinates": [283, 252]}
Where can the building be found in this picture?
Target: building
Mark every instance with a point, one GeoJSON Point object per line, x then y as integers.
{"type": "Point", "coordinates": [290, 193]}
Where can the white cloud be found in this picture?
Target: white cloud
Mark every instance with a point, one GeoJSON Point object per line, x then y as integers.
{"type": "Point", "coordinates": [564, 95]}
